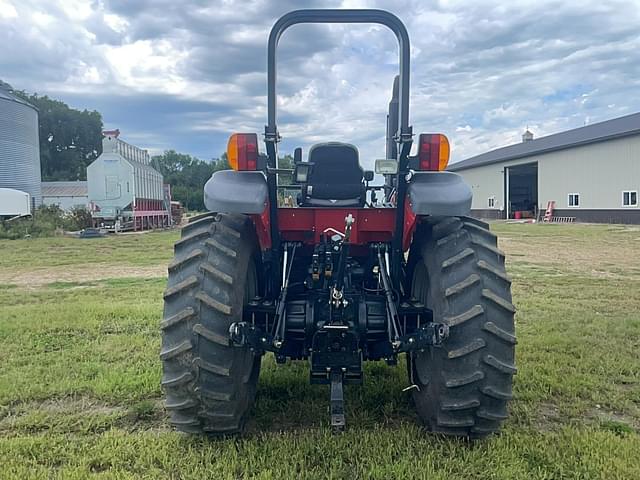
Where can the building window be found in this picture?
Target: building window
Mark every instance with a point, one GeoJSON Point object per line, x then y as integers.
{"type": "Point", "coordinates": [574, 200]}
{"type": "Point", "coordinates": [491, 202]}
{"type": "Point", "coordinates": [630, 198]}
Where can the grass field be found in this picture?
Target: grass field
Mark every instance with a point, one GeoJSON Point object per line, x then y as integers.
{"type": "Point", "coordinates": [80, 395]}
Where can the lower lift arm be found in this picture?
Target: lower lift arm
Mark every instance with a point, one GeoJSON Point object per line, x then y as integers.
{"type": "Point", "coordinates": [429, 334]}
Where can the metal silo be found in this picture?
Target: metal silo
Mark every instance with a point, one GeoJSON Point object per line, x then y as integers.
{"type": "Point", "coordinates": [19, 145]}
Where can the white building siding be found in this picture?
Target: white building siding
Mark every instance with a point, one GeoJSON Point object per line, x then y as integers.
{"type": "Point", "coordinates": [599, 172]}
{"type": "Point", "coordinates": [66, 202]}
{"type": "Point", "coordinates": [488, 181]}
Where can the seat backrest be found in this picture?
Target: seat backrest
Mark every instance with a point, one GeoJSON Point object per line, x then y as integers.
{"type": "Point", "coordinates": [335, 163]}
{"type": "Point", "coordinates": [336, 178]}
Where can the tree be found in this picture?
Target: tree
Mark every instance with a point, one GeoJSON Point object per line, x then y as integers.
{"type": "Point", "coordinates": [285, 162]}
{"type": "Point", "coordinates": [187, 176]}
{"type": "Point", "coordinates": [70, 139]}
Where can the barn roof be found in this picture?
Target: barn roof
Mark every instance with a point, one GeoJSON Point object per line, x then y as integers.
{"type": "Point", "coordinates": [597, 132]}
{"type": "Point", "coordinates": [64, 189]}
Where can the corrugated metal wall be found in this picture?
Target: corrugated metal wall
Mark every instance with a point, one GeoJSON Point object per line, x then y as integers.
{"type": "Point", "coordinates": [121, 174]}
{"type": "Point", "coordinates": [66, 203]}
{"type": "Point", "coordinates": [19, 148]}
{"type": "Point", "coordinates": [110, 183]}
{"type": "Point", "coordinates": [486, 182]}
{"type": "Point", "coordinates": [599, 173]}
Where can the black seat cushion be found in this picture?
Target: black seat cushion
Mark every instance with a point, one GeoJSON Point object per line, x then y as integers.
{"type": "Point", "coordinates": [336, 178]}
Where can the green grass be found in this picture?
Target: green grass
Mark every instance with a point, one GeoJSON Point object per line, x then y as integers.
{"type": "Point", "coordinates": [135, 250]}
{"type": "Point", "coordinates": [80, 396]}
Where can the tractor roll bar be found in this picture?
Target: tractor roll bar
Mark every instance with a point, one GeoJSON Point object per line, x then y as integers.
{"type": "Point", "coordinates": [339, 16]}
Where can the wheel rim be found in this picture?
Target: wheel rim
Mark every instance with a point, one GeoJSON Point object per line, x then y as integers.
{"type": "Point", "coordinates": [250, 292]}
{"type": "Point", "coordinates": [420, 282]}
{"type": "Point", "coordinates": [251, 283]}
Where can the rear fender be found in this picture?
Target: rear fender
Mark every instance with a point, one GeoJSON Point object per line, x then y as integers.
{"type": "Point", "coordinates": [229, 191]}
{"type": "Point", "coordinates": [439, 194]}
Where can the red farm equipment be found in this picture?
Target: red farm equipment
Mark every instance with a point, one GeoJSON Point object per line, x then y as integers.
{"type": "Point", "coordinates": [352, 273]}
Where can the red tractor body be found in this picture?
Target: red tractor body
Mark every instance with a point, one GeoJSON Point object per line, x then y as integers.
{"type": "Point", "coordinates": [352, 272]}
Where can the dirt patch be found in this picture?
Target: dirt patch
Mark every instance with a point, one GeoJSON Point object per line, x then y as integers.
{"type": "Point", "coordinates": [600, 259]}
{"type": "Point", "coordinates": [548, 417]}
{"type": "Point", "coordinates": [69, 412]}
{"type": "Point", "coordinates": [77, 405]}
{"type": "Point", "coordinates": [65, 405]}
{"type": "Point", "coordinates": [618, 422]}
{"type": "Point", "coordinates": [78, 273]}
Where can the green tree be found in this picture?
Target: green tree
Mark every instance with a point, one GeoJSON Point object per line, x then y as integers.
{"type": "Point", "coordinates": [70, 139]}
{"type": "Point", "coordinates": [285, 162]}
{"type": "Point", "coordinates": [187, 176]}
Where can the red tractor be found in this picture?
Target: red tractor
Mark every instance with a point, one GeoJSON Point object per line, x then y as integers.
{"type": "Point", "coordinates": [353, 272]}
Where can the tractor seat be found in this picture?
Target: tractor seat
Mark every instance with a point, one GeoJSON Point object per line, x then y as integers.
{"type": "Point", "coordinates": [336, 179]}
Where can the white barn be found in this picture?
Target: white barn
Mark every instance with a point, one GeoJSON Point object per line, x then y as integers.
{"type": "Point", "coordinates": [592, 174]}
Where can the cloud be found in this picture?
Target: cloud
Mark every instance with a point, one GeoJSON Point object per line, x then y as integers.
{"type": "Point", "coordinates": [7, 10]}
{"type": "Point", "coordinates": [185, 74]}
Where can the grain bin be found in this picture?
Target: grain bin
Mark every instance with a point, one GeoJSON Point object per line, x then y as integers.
{"type": "Point", "coordinates": [19, 145]}
{"type": "Point", "coordinates": [124, 189]}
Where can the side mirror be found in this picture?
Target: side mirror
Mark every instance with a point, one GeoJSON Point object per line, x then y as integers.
{"type": "Point", "coordinates": [387, 166]}
{"type": "Point", "coordinates": [368, 175]}
{"type": "Point", "coordinates": [302, 171]}
{"type": "Point", "coordinates": [297, 155]}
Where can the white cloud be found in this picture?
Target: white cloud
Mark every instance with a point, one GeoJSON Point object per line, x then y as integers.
{"type": "Point", "coordinates": [147, 66]}
{"type": "Point", "coordinates": [7, 10]}
{"type": "Point", "coordinates": [77, 10]}
{"type": "Point", "coordinates": [116, 22]}
{"type": "Point", "coordinates": [42, 19]}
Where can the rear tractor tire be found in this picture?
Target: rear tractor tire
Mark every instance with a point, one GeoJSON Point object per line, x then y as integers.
{"type": "Point", "coordinates": [458, 272]}
{"type": "Point", "coordinates": [209, 385]}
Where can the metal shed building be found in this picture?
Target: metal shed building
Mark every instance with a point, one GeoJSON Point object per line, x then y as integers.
{"type": "Point", "coordinates": [592, 174]}
{"type": "Point", "coordinates": [66, 195]}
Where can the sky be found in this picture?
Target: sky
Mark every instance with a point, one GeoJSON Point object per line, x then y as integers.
{"type": "Point", "coordinates": [184, 75]}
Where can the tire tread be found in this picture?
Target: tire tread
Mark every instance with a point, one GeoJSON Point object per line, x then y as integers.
{"type": "Point", "coordinates": [209, 385]}
{"type": "Point", "coordinates": [465, 385]}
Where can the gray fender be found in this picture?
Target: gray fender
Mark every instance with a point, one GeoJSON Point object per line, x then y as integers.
{"type": "Point", "coordinates": [228, 191]}
{"type": "Point", "coordinates": [439, 194]}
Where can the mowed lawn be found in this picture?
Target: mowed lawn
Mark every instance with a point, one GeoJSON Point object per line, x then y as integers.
{"type": "Point", "coordinates": [80, 394]}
